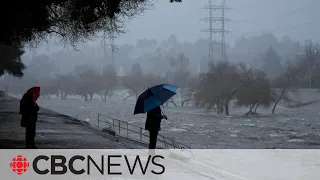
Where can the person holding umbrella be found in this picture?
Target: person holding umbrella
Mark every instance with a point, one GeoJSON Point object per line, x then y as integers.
{"type": "Point", "coordinates": [153, 125]}
{"type": "Point", "coordinates": [150, 101]}
{"type": "Point", "coordinates": [29, 111]}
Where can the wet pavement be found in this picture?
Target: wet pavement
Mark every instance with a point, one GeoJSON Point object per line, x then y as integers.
{"type": "Point", "coordinates": [54, 131]}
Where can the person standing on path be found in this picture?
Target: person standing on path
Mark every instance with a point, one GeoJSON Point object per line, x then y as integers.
{"type": "Point", "coordinates": [29, 111]}
{"type": "Point", "coordinates": [153, 125]}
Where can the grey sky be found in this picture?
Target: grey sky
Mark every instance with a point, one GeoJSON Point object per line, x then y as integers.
{"type": "Point", "coordinates": [296, 18]}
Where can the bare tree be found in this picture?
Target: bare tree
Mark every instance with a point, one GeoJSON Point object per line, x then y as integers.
{"type": "Point", "coordinates": [66, 84]}
{"type": "Point", "coordinates": [179, 74]}
{"type": "Point", "coordinates": [255, 91]}
{"type": "Point", "coordinates": [87, 81]}
{"type": "Point", "coordinates": [107, 82]}
{"type": "Point", "coordinates": [189, 94]}
{"type": "Point", "coordinates": [283, 84]}
{"type": "Point", "coordinates": [48, 88]}
{"type": "Point", "coordinates": [135, 81]}
{"type": "Point", "coordinates": [219, 86]}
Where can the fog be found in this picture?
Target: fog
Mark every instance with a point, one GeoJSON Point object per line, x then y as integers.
{"type": "Point", "coordinates": [295, 19]}
{"type": "Point", "coordinates": [248, 17]}
{"type": "Point", "coordinates": [271, 66]}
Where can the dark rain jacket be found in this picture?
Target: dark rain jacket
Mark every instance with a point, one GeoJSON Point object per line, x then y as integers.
{"type": "Point", "coordinates": [153, 121]}
{"type": "Point", "coordinates": [29, 111]}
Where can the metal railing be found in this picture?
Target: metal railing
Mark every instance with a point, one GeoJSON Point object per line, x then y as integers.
{"type": "Point", "coordinates": [127, 130]}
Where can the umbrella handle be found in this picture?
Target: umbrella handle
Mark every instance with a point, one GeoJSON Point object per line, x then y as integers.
{"type": "Point", "coordinates": [164, 114]}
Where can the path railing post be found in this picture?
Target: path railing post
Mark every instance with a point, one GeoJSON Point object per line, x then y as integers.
{"type": "Point", "coordinates": [168, 142]}
{"type": "Point", "coordinates": [140, 134]}
{"type": "Point", "coordinates": [127, 130]}
{"type": "Point", "coordinates": [98, 120]}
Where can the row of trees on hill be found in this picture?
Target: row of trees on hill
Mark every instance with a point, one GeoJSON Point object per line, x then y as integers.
{"type": "Point", "coordinates": [153, 54]}
{"type": "Point", "coordinates": [87, 80]}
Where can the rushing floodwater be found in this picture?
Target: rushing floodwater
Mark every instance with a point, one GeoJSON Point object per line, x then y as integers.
{"type": "Point", "coordinates": [288, 128]}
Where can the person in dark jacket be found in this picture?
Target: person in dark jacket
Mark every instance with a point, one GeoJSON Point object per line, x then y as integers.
{"type": "Point", "coordinates": [29, 111]}
{"type": "Point", "coordinates": [153, 125]}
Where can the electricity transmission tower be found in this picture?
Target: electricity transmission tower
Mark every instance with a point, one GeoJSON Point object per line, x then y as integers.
{"type": "Point", "coordinates": [104, 53]}
{"type": "Point", "coordinates": [216, 26]}
{"type": "Point", "coordinates": [113, 48]}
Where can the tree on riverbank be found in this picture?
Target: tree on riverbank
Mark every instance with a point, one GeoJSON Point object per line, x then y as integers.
{"type": "Point", "coordinates": [107, 82]}
{"type": "Point", "coordinates": [134, 81]}
{"type": "Point", "coordinates": [86, 81]}
{"type": "Point", "coordinates": [220, 85]}
{"type": "Point", "coordinates": [282, 85]}
{"type": "Point", "coordinates": [304, 66]}
{"type": "Point", "coordinates": [255, 91]}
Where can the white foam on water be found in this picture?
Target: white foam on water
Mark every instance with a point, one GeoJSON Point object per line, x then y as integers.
{"type": "Point", "coordinates": [296, 140]}
{"type": "Point", "coordinates": [250, 124]}
{"type": "Point", "coordinates": [191, 125]}
{"type": "Point", "coordinates": [234, 131]}
{"type": "Point", "coordinates": [224, 122]}
{"type": "Point", "coordinates": [274, 135]}
{"type": "Point", "coordinates": [203, 125]}
{"type": "Point", "coordinates": [177, 130]}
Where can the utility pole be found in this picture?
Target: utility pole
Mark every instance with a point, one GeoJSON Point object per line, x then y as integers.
{"type": "Point", "coordinates": [213, 21]}
{"type": "Point", "coordinates": [104, 53]}
{"type": "Point", "coordinates": [181, 88]}
{"type": "Point", "coordinates": [114, 49]}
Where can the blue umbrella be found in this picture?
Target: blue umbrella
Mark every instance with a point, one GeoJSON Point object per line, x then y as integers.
{"type": "Point", "coordinates": [154, 97]}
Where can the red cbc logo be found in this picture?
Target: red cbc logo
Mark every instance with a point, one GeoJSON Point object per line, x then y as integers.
{"type": "Point", "coordinates": [19, 164]}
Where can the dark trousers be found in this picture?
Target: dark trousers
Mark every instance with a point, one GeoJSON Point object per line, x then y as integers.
{"type": "Point", "coordinates": [30, 134]}
{"type": "Point", "coordinates": [153, 134]}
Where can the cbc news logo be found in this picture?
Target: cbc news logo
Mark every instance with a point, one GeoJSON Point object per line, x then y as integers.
{"type": "Point", "coordinates": [19, 164]}
{"type": "Point", "coordinates": [60, 165]}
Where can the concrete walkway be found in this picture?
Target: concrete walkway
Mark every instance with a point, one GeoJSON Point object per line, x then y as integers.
{"type": "Point", "coordinates": [54, 131]}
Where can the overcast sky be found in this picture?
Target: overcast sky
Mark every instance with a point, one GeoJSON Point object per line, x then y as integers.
{"type": "Point", "coordinates": [296, 18]}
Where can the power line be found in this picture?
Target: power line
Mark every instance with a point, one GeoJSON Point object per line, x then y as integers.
{"type": "Point", "coordinates": [275, 15]}
{"type": "Point", "coordinates": [114, 49]}
{"type": "Point", "coordinates": [294, 26]}
{"type": "Point", "coordinates": [289, 28]}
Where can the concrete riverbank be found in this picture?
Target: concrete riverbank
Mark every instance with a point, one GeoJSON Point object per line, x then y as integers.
{"type": "Point", "coordinates": [54, 131]}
